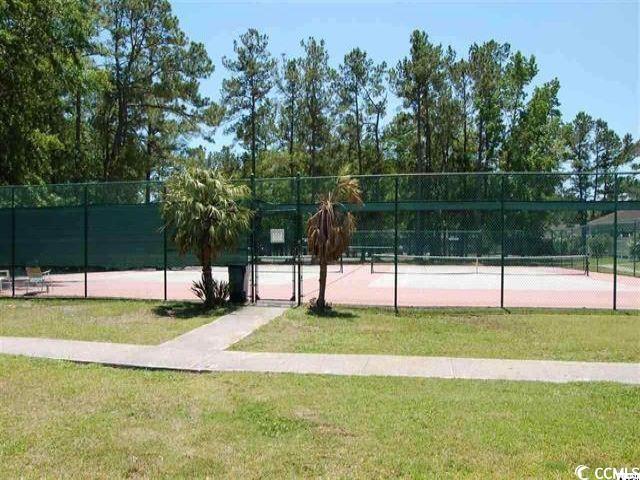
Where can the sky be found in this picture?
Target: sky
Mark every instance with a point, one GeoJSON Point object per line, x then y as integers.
{"type": "Point", "coordinates": [593, 48]}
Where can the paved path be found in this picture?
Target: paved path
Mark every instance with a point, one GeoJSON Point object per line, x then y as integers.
{"type": "Point", "coordinates": [203, 349]}
{"type": "Point", "coordinates": [226, 330]}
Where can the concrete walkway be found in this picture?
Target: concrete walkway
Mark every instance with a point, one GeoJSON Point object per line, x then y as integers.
{"type": "Point", "coordinates": [203, 349]}
{"type": "Point", "coordinates": [226, 330]}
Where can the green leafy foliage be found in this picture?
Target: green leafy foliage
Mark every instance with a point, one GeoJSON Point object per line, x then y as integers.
{"type": "Point", "coordinates": [100, 90]}
{"type": "Point", "coordinates": [111, 90]}
{"type": "Point", "coordinates": [599, 245]}
{"type": "Point", "coordinates": [215, 293]}
{"type": "Point", "coordinates": [206, 215]}
{"type": "Point", "coordinates": [41, 48]}
{"type": "Point", "coordinates": [245, 92]}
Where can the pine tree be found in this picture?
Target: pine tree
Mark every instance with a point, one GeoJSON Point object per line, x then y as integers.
{"type": "Point", "coordinates": [245, 92]}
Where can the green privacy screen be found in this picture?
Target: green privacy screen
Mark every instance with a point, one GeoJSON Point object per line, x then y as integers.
{"type": "Point", "coordinates": [6, 235]}
{"type": "Point", "coordinates": [100, 226]}
{"type": "Point", "coordinates": [125, 236]}
{"type": "Point", "coordinates": [50, 237]}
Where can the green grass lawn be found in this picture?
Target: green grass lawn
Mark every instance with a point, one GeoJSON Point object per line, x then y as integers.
{"type": "Point", "coordinates": [60, 419]}
{"type": "Point", "coordinates": [120, 321]}
{"type": "Point", "coordinates": [495, 334]}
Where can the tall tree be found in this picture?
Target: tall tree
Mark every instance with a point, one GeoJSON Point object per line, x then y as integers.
{"type": "Point", "coordinates": [351, 84]}
{"type": "Point", "coordinates": [173, 108]}
{"type": "Point", "coordinates": [376, 107]}
{"type": "Point", "coordinates": [407, 79]}
{"type": "Point", "coordinates": [535, 142]}
{"type": "Point", "coordinates": [417, 79]}
{"type": "Point", "coordinates": [487, 65]}
{"type": "Point", "coordinates": [398, 139]}
{"type": "Point", "coordinates": [225, 161]}
{"type": "Point", "coordinates": [316, 100]}
{"type": "Point", "coordinates": [629, 152]}
{"type": "Point", "coordinates": [462, 87]}
{"type": "Point", "coordinates": [41, 45]}
{"type": "Point", "coordinates": [109, 89]}
{"type": "Point", "coordinates": [578, 141]}
{"type": "Point", "coordinates": [518, 73]}
{"type": "Point", "coordinates": [446, 117]}
{"type": "Point", "coordinates": [244, 93]}
{"type": "Point", "coordinates": [606, 150]}
{"type": "Point", "coordinates": [290, 87]}
{"type": "Point", "coordinates": [154, 73]}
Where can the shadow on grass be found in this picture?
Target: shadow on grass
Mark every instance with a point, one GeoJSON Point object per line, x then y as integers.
{"type": "Point", "coordinates": [190, 310]}
{"type": "Point", "coordinates": [330, 313]}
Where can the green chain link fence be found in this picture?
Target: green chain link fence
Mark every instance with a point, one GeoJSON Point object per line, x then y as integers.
{"type": "Point", "coordinates": [506, 225]}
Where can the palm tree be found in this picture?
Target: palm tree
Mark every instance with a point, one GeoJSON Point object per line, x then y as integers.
{"type": "Point", "coordinates": [329, 230]}
{"type": "Point", "coordinates": [205, 213]}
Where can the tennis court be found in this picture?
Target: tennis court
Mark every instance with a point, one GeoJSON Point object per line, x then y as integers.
{"type": "Point", "coordinates": [438, 282]}
{"type": "Point", "coordinates": [472, 283]}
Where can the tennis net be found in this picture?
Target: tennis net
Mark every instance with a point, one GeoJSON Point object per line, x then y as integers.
{"type": "Point", "coordinates": [513, 265]}
{"type": "Point", "coordinates": [280, 263]}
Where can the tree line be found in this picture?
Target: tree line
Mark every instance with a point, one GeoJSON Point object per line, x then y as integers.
{"type": "Point", "coordinates": [110, 90]}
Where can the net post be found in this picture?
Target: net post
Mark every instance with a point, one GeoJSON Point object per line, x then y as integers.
{"type": "Point", "coordinates": [502, 241]}
{"type": "Point", "coordinates": [293, 250]}
{"type": "Point", "coordinates": [395, 248]}
{"type": "Point", "coordinates": [635, 246]}
{"type": "Point", "coordinates": [86, 238]}
{"type": "Point", "coordinates": [253, 239]}
{"type": "Point", "coordinates": [615, 242]}
{"type": "Point", "coordinates": [299, 238]}
{"type": "Point", "coordinates": [13, 241]}
{"type": "Point", "coordinates": [585, 251]}
{"type": "Point", "coordinates": [164, 246]}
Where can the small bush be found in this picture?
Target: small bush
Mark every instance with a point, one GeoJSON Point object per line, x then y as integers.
{"type": "Point", "coordinates": [314, 308]}
{"type": "Point", "coordinates": [218, 294]}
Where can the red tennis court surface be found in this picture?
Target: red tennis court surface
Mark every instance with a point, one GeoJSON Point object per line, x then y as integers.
{"type": "Point", "coordinates": [356, 285]}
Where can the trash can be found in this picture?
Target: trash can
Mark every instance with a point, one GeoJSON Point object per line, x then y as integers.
{"type": "Point", "coordinates": [238, 283]}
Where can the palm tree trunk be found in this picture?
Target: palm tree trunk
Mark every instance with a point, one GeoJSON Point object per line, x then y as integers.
{"type": "Point", "coordinates": [320, 303]}
{"type": "Point", "coordinates": [207, 279]}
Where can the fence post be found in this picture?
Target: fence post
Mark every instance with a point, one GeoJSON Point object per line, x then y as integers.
{"type": "Point", "coordinates": [634, 254]}
{"type": "Point", "coordinates": [292, 252]}
{"type": "Point", "coordinates": [395, 249]}
{"type": "Point", "coordinates": [86, 239]}
{"type": "Point", "coordinates": [253, 239]}
{"type": "Point", "coordinates": [615, 242]}
{"type": "Point", "coordinates": [164, 244]}
{"type": "Point", "coordinates": [299, 238]}
{"type": "Point", "coordinates": [502, 241]}
{"type": "Point", "coordinates": [13, 241]}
